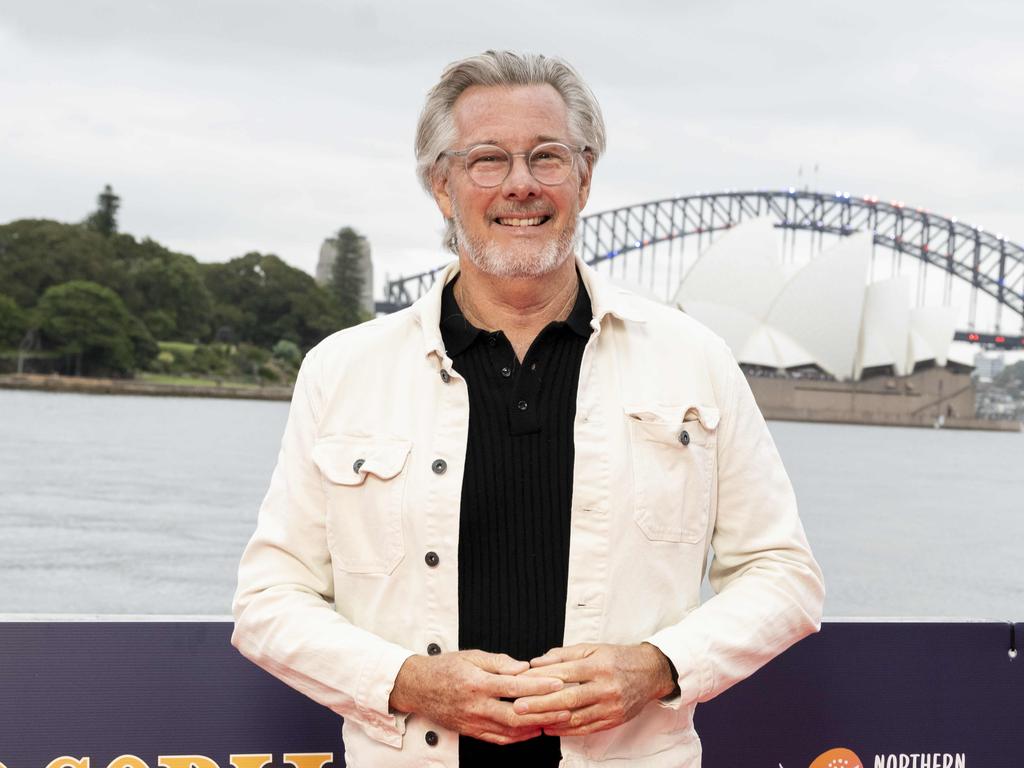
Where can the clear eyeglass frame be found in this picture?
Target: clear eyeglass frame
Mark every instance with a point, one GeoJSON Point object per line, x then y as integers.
{"type": "Point", "coordinates": [487, 182]}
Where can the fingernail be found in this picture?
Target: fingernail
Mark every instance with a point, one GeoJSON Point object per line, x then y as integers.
{"type": "Point", "coordinates": [557, 685]}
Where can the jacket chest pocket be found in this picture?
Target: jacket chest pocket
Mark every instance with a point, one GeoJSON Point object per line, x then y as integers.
{"type": "Point", "coordinates": [673, 470]}
{"type": "Point", "coordinates": [364, 483]}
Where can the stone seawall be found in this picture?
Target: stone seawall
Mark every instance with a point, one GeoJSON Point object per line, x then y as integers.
{"type": "Point", "coordinates": [89, 386]}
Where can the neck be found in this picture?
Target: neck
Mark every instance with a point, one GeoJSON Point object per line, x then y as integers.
{"type": "Point", "coordinates": [519, 306]}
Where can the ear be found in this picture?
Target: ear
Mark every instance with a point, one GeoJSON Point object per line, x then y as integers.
{"type": "Point", "coordinates": [586, 170]}
{"type": "Point", "coordinates": [439, 188]}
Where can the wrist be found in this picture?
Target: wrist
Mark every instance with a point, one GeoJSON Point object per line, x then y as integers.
{"type": "Point", "coordinates": [665, 676]}
{"type": "Point", "coordinates": [404, 695]}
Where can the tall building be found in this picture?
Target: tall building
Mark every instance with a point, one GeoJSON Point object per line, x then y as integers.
{"type": "Point", "coordinates": [987, 367]}
{"type": "Point", "coordinates": [328, 255]}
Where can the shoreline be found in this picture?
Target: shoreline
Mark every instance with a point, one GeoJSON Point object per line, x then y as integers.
{"type": "Point", "coordinates": [772, 412]}
{"type": "Point", "coordinates": [91, 386]}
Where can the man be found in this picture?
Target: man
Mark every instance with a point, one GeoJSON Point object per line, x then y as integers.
{"type": "Point", "coordinates": [485, 536]}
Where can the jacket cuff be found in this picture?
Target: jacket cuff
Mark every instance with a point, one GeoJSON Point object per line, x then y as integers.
{"type": "Point", "coordinates": [693, 677]}
{"type": "Point", "coordinates": [373, 692]}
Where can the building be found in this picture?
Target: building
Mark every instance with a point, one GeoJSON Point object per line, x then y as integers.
{"type": "Point", "coordinates": [328, 255]}
{"type": "Point", "coordinates": [819, 342]}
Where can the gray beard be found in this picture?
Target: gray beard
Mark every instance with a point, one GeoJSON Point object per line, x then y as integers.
{"type": "Point", "coordinates": [519, 261]}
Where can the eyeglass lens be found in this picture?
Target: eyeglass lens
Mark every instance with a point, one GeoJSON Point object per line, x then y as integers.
{"type": "Point", "coordinates": [549, 163]}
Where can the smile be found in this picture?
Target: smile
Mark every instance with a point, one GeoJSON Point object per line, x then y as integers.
{"type": "Point", "coordinates": [517, 222]}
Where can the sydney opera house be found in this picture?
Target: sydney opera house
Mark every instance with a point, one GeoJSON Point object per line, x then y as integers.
{"type": "Point", "coordinates": [819, 341]}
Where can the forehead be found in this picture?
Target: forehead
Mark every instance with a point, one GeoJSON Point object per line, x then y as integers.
{"type": "Point", "coordinates": [510, 115]}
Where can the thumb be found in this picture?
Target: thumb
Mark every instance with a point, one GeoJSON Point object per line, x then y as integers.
{"type": "Point", "coordinates": [499, 663]}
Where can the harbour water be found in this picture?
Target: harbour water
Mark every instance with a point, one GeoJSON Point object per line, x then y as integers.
{"type": "Point", "coordinates": [136, 505]}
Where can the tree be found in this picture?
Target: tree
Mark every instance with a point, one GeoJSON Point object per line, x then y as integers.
{"type": "Point", "coordinates": [258, 298]}
{"type": "Point", "coordinates": [347, 276]}
{"type": "Point", "coordinates": [104, 218]}
{"type": "Point", "coordinates": [37, 253]}
{"type": "Point", "coordinates": [90, 325]}
{"type": "Point", "coordinates": [13, 322]}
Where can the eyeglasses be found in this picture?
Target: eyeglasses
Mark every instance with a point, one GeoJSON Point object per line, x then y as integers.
{"type": "Point", "coordinates": [488, 165]}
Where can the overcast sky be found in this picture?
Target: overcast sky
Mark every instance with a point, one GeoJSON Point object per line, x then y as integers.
{"type": "Point", "coordinates": [228, 125]}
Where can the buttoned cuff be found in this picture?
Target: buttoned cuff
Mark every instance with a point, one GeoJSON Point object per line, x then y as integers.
{"type": "Point", "coordinates": [373, 692]}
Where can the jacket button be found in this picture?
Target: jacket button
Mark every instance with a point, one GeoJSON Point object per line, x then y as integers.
{"type": "Point", "coordinates": [357, 464]}
{"type": "Point", "coordinates": [684, 437]}
{"type": "Point", "coordinates": [431, 738]}
{"type": "Point", "coordinates": [440, 466]}
{"type": "Point", "coordinates": [445, 376]}
{"type": "Point", "coordinates": [433, 649]}
{"type": "Point", "coordinates": [431, 559]}
{"type": "Point", "coordinates": [506, 371]}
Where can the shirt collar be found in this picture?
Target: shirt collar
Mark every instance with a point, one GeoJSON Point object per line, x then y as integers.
{"type": "Point", "coordinates": [458, 333]}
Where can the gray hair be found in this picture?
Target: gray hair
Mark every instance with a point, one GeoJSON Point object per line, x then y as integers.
{"type": "Point", "coordinates": [435, 130]}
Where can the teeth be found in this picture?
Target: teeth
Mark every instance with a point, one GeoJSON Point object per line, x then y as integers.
{"type": "Point", "coordinates": [521, 222]}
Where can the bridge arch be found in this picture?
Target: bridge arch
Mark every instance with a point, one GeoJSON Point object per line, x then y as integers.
{"type": "Point", "coordinates": [988, 263]}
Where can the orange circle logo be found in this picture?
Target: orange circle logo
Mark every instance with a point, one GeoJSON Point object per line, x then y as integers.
{"type": "Point", "coordinates": [837, 758]}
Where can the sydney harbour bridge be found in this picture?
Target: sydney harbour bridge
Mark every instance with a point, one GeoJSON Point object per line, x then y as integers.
{"type": "Point", "coordinates": [650, 245]}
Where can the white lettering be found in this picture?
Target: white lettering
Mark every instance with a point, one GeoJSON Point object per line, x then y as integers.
{"type": "Point", "coordinates": [919, 760]}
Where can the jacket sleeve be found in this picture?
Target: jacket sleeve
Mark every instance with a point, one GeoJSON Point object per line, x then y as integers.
{"type": "Point", "coordinates": [768, 588]}
{"type": "Point", "coordinates": [285, 620]}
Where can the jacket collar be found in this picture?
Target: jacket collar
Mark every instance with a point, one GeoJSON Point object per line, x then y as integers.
{"type": "Point", "coordinates": [605, 299]}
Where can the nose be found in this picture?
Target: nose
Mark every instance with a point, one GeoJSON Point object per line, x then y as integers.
{"type": "Point", "coordinates": [520, 184]}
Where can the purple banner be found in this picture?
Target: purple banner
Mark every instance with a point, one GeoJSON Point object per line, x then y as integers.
{"type": "Point", "coordinates": [176, 694]}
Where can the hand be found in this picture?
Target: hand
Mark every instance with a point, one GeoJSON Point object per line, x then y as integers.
{"type": "Point", "coordinates": [462, 691]}
{"type": "Point", "coordinates": [615, 683]}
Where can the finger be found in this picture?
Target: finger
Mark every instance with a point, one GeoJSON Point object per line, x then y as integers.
{"type": "Point", "coordinates": [556, 655]}
{"type": "Point", "coordinates": [575, 671]}
{"type": "Point", "coordinates": [517, 686]}
{"type": "Point", "coordinates": [498, 663]}
{"type": "Point", "coordinates": [502, 714]}
{"type": "Point", "coordinates": [589, 719]}
{"type": "Point", "coordinates": [585, 730]}
{"type": "Point", "coordinates": [504, 738]}
{"type": "Point", "coordinates": [573, 697]}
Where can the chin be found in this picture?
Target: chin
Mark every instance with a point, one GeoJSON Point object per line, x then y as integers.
{"type": "Point", "coordinates": [517, 259]}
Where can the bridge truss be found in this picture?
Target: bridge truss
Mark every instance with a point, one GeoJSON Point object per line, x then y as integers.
{"type": "Point", "coordinates": [647, 244]}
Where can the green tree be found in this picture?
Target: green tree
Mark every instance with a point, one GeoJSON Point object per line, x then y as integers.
{"type": "Point", "coordinates": [13, 322]}
{"type": "Point", "coordinates": [91, 326]}
{"type": "Point", "coordinates": [346, 276]}
{"type": "Point", "coordinates": [260, 299]}
{"type": "Point", "coordinates": [104, 218]}
{"type": "Point", "coordinates": [36, 254]}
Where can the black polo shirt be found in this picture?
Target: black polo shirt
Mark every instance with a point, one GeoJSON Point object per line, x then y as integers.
{"type": "Point", "coordinates": [516, 498]}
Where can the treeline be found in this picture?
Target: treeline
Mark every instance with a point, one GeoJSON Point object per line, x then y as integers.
{"type": "Point", "coordinates": [103, 299]}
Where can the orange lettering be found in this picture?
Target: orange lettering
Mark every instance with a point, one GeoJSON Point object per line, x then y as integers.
{"type": "Point", "coordinates": [185, 761]}
{"type": "Point", "coordinates": [127, 761]}
{"type": "Point", "coordinates": [309, 759]}
{"type": "Point", "coordinates": [250, 761]}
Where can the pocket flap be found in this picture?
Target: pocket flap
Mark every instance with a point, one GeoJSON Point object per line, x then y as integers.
{"type": "Point", "coordinates": [674, 416]}
{"type": "Point", "coordinates": [348, 460]}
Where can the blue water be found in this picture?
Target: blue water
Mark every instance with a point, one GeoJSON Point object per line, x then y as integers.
{"type": "Point", "coordinates": [143, 505]}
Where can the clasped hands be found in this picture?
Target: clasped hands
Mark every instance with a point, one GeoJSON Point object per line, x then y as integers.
{"type": "Point", "coordinates": [569, 691]}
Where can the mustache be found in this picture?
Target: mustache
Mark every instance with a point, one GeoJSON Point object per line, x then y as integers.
{"type": "Point", "coordinates": [529, 211]}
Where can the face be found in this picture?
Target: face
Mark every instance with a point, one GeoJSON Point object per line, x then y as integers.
{"type": "Point", "coordinates": [521, 227]}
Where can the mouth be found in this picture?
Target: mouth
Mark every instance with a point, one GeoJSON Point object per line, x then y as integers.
{"type": "Point", "coordinates": [522, 221]}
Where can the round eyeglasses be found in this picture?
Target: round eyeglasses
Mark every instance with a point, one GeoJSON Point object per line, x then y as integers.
{"type": "Point", "coordinates": [489, 165]}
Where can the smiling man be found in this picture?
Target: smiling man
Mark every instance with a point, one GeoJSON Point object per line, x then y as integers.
{"type": "Point", "coordinates": [484, 540]}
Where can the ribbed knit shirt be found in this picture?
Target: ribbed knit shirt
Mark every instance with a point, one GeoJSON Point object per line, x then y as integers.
{"type": "Point", "coordinates": [516, 498]}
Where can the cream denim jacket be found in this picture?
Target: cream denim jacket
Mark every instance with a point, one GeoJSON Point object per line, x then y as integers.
{"type": "Point", "coordinates": [353, 564]}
